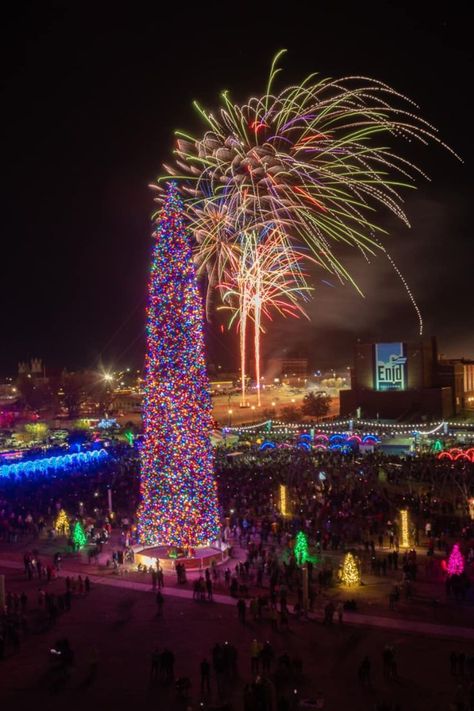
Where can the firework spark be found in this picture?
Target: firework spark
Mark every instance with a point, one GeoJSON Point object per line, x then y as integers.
{"type": "Point", "coordinates": [269, 279]}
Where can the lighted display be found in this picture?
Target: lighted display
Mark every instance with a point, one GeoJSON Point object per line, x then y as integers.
{"type": "Point", "coordinates": [178, 492]}
{"type": "Point", "coordinates": [390, 366]}
{"type": "Point", "coordinates": [350, 574]}
{"type": "Point", "coordinates": [283, 500]}
{"type": "Point", "coordinates": [405, 537]}
{"type": "Point", "coordinates": [50, 465]}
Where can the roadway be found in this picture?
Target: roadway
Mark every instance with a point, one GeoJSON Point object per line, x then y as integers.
{"type": "Point", "coordinates": [273, 403]}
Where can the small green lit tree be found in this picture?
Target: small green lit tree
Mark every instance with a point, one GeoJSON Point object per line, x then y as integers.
{"type": "Point", "coordinates": [79, 537]}
{"type": "Point", "coordinates": [301, 550]}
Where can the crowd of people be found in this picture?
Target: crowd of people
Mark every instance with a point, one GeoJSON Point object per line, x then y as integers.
{"type": "Point", "coordinates": [343, 498]}
{"type": "Point", "coordinates": [340, 501]}
{"type": "Point", "coordinates": [23, 614]}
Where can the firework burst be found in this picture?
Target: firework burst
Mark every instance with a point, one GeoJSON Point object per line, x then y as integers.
{"type": "Point", "coordinates": [314, 163]}
{"type": "Point", "coordinates": [269, 278]}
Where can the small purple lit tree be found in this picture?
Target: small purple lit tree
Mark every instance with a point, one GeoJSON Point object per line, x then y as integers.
{"type": "Point", "coordinates": [456, 561]}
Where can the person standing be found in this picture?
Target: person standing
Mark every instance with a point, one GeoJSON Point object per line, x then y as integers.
{"type": "Point", "coordinates": [364, 671]}
{"type": "Point", "coordinates": [255, 657]}
{"type": "Point", "coordinates": [241, 609]}
{"type": "Point", "coordinates": [23, 602]}
{"type": "Point", "coordinates": [93, 663]}
{"type": "Point", "coordinates": [205, 677]}
{"type": "Point", "coordinates": [167, 662]}
{"type": "Point", "coordinates": [155, 664]}
{"type": "Point", "coordinates": [159, 604]}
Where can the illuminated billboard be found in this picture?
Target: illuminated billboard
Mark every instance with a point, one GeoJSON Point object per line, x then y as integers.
{"type": "Point", "coordinates": [390, 366]}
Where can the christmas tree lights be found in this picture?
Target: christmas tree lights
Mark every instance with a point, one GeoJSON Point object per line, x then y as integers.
{"type": "Point", "coordinates": [61, 525]}
{"type": "Point", "coordinates": [301, 548]}
{"type": "Point", "coordinates": [79, 537]}
{"type": "Point", "coordinates": [405, 542]}
{"type": "Point", "coordinates": [456, 561]}
{"type": "Point", "coordinates": [350, 574]}
{"type": "Point", "coordinates": [283, 500]}
{"type": "Point", "coordinates": [178, 492]}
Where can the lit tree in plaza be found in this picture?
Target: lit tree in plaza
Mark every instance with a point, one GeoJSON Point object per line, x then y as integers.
{"type": "Point", "coordinates": [178, 492]}
{"type": "Point", "coordinates": [456, 561]}
{"type": "Point", "coordinates": [350, 571]}
{"type": "Point", "coordinates": [61, 525]}
{"type": "Point", "coordinates": [301, 548]}
{"type": "Point", "coordinates": [78, 536]}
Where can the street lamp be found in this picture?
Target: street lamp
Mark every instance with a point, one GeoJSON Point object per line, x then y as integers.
{"type": "Point", "coordinates": [230, 417]}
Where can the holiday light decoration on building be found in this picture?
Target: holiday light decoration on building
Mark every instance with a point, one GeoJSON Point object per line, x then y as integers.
{"type": "Point", "coordinates": [178, 492]}
{"type": "Point", "coordinates": [456, 561]}
{"type": "Point", "coordinates": [350, 574]}
{"type": "Point", "coordinates": [79, 537]}
{"type": "Point", "coordinates": [405, 537]}
{"type": "Point", "coordinates": [61, 525]}
{"type": "Point", "coordinates": [316, 161]}
{"type": "Point", "coordinates": [283, 500]}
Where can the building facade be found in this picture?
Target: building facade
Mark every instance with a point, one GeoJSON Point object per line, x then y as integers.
{"type": "Point", "coordinates": [406, 380]}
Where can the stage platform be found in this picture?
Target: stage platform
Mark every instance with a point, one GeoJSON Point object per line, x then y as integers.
{"type": "Point", "coordinates": [199, 559]}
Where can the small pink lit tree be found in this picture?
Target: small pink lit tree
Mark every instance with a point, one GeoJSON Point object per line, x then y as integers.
{"type": "Point", "coordinates": [456, 561]}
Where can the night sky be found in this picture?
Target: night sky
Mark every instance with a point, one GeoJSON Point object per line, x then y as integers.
{"type": "Point", "coordinates": [90, 99]}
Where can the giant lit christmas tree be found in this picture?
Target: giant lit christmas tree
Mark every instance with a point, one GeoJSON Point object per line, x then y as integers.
{"type": "Point", "coordinates": [178, 492]}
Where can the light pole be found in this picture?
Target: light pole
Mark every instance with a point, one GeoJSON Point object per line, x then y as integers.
{"type": "Point", "coordinates": [229, 412]}
{"type": "Point", "coordinates": [109, 500]}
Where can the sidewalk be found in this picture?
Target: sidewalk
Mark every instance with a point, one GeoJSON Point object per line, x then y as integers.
{"type": "Point", "coordinates": [350, 618]}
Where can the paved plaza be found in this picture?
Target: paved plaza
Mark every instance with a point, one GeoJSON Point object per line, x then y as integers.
{"type": "Point", "coordinates": [116, 627]}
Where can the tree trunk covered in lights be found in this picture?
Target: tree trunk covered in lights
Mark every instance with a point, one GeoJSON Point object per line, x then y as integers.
{"type": "Point", "coordinates": [178, 492]}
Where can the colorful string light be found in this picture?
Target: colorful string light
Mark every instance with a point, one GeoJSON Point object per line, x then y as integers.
{"type": "Point", "coordinates": [178, 492]}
